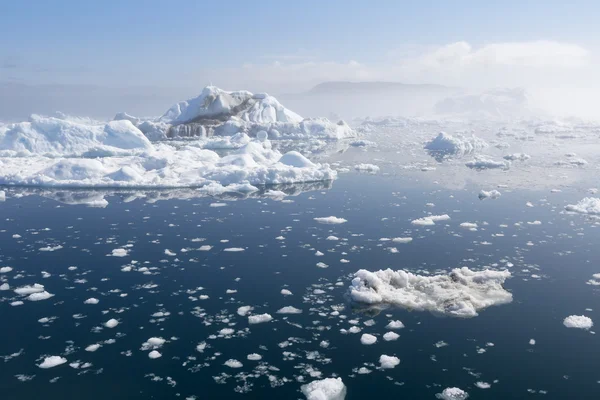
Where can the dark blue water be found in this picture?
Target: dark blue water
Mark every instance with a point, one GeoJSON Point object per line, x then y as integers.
{"type": "Point", "coordinates": [563, 253]}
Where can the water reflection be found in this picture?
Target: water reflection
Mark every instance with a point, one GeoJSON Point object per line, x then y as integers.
{"type": "Point", "coordinates": [100, 197]}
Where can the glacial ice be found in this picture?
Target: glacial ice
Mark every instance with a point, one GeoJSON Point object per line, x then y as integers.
{"type": "Point", "coordinates": [447, 145]}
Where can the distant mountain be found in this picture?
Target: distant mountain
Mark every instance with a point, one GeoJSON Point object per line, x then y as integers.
{"type": "Point", "coordinates": [340, 87]}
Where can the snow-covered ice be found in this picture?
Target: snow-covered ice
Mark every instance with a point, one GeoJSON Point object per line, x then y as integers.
{"type": "Point", "coordinates": [578, 321]}
{"type": "Point", "coordinates": [388, 362]}
{"type": "Point", "coordinates": [325, 389]}
{"type": "Point", "coordinates": [445, 144]}
{"type": "Point", "coordinates": [452, 393]}
{"type": "Point", "coordinates": [461, 293]}
{"type": "Point", "coordinates": [330, 220]}
{"type": "Point", "coordinates": [588, 205]}
{"type": "Point", "coordinates": [52, 361]}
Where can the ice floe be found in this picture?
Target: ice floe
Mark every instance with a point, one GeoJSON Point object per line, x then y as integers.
{"type": "Point", "coordinates": [578, 321]}
{"type": "Point", "coordinates": [52, 361]}
{"type": "Point", "coordinates": [452, 393]}
{"type": "Point", "coordinates": [588, 205]}
{"type": "Point", "coordinates": [325, 389]}
{"type": "Point", "coordinates": [461, 293]}
{"type": "Point", "coordinates": [388, 362]}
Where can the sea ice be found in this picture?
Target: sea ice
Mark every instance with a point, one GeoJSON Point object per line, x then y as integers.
{"type": "Point", "coordinates": [461, 293]}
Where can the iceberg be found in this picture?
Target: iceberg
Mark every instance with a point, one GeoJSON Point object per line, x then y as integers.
{"type": "Point", "coordinates": [54, 137]}
{"type": "Point", "coordinates": [447, 145]}
{"type": "Point", "coordinates": [54, 152]}
{"type": "Point", "coordinates": [216, 112]}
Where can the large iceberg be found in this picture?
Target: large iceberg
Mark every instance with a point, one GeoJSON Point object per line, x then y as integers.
{"type": "Point", "coordinates": [216, 112]}
{"type": "Point", "coordinates": [62, 153]}
{"type": "Point", "coordinates": [53, 136]}
{"type": "Point", "coordinates": [461, 293]}
{"type": "Point", "coordinates": [445, 144]}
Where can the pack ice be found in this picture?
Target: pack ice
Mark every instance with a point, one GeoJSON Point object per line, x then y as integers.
{"type": "Point", "coordinates": [62, 151]}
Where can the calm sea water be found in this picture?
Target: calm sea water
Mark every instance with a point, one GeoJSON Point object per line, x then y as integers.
{"type": "Point", "coordinates": [552, 263]}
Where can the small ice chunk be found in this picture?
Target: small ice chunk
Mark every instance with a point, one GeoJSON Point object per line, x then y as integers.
{"type": "Point", "coordinates": [388, 362]}
{"type": "Point", "coordinates": [578, 321]}
{"type": "Point", "coordinates": [259, 319]}
{"type": "Point", "coordinates": [52, 361]}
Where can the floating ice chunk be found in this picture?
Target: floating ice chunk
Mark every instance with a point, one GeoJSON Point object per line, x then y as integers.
{"type": "Point", "coordinates": [452, 393]}
{"type": "Point", "coordinates": [332, 238]}
{"type": "Point", "coordinates": [5, 270]}
{"type": "Point", "coordinates": [3, 196]}
{"type": "Point", "coordinates": [462, 293]}
{"type": "Point", "coordinates": [289, 310]}
{"type": "Point", "coordinates": [390, 336]}
{"type": "Point", "coordinates": [226, 332]}
{"type": "Point", "coordinates": [446, 145]}
{"type": "Point", "coordinates": [169, 253]}
{"type": "Point", "coordinates": [204, 248]}
{"type": "Point", "coordinates": [483, 385]}
{"type": "Point", "coordinates": [111, 323]}
{"type": "Point", "coordinates": [231, 363]}
{"type": "Point", "coordinates": [154, 354]}
{"type": "Point", "coordinates": [244, 310]}
{"type": "Point", "coordinates": [330, 220]}
{"type": "Point", "coordinates": [4, 286]}
{"type": "Point", "coordinates": [39, 296]}
{"type": "Point", "coordinates": [588, 205]}
{"type": "Point", "coordinates": [578, 321]}
{"type": "Point", "coordinates": [254, 357]}
{"type": "Point", "coordinates": [234, 249]}
{"type": "Point", "coordinates": [52, 361]}
{"type": "Point", "coordinates": [259, 319]}
{"type": "Point", "coordinates": [201, 347]}
{"type": "Point", "coordinates": [402, 240]}
{"type": "Point", "coordinates": [368, 339]}
{"type": "Point", "coordinates": [532, 342]}
{"type": "Point", "coordinates": [286, 292]}
{"type": "Point", "coordinates": [395, 325]}
{"type": "Point", "coordinates": [469, 225]}
{"type": "Point", "coordinates": [367, 168]}
{"type": "Point", "coordinates": [91, 300]}
{"type": "Point", "coordinates": [492, 194]}
{"type": "Point", "coordinates": [153, 343]}
{"type": "Point", "coordinates": [388, 362]}
{"type": "Point", "coordinates": [119, 252]}
{"type": "Point", "coordinates": [486, 163]}
{"type": "Point", "coordinates": [430, 220]}
{"type": "Point", "coordinates": [325, 389]}
{"type": "Point", "coordinates": [29, 289]}
{"type": "Point", "coordinates": [92, 347]}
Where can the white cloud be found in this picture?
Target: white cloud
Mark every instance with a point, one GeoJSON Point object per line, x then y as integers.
{"type": "Point", "coordinates": [462, 64]}
{"type": "Point", "coordinates": [540, 53]}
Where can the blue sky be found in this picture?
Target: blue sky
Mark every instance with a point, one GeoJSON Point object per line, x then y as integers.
{"type": "Point", "coordinates": [176, 43]}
